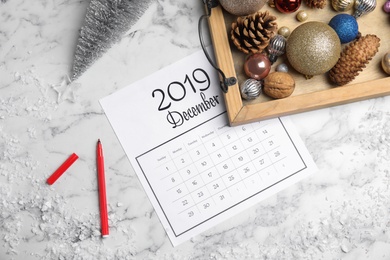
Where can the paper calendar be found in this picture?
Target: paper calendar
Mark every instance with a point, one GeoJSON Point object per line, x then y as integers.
{"type": "Point", "coordinates": [195, 168]}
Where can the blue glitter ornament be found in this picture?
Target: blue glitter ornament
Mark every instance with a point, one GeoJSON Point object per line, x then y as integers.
{"type": "Point", "coordinates": [345, 26]}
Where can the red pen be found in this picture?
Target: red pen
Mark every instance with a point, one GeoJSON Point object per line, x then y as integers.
{"type": "Point", "coordinates": [102, 190]}
{"type": "Point", "coordinates": [62, 169]}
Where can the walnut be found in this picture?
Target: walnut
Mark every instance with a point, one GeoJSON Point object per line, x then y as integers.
{"type": "Point", "coordinates": [279, 84]}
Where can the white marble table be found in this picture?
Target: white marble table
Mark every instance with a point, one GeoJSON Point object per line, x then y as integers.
{"type": "Point", "coordinates": [341, 212]}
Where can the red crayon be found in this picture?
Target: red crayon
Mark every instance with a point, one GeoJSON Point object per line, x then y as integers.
{"type": "Point", "coordinates": [62, 169]}
{"type": "Point", "coordinates": [102, 190]}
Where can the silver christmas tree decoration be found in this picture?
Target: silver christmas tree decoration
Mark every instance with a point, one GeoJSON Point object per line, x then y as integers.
{"type": "Point", "coordinates": [250, 89]}
{"type": "Point", "coordinates": [363, 7]}
{"type": "Point", "coordinates": [276, 47]}
{"type": "Point", "coordinates": [105, 24]}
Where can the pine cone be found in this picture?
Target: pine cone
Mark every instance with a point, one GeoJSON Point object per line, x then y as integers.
{"type": "Point", "coordinates": [251, 34]}
{"type": "Point", "coordinates": [320, 4]}
{"type": "Point", "coordinates": [354, 58]}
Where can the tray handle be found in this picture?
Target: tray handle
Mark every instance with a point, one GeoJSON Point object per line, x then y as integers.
{"type": "Point", "coordinates": [225, 82]}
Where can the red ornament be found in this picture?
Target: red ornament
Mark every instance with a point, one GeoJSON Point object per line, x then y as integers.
{"type": "Point", "coordinates": [287, 6]}
{"type": "Point", "coordinates": [257, 66]}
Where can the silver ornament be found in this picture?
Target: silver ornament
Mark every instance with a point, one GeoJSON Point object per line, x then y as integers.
{"type": "Point", "coordinates": [342, 5]}
{"type": "Point", "coordinates": [363, 7]}
{"type": "Point", "coordinates": [276, 47]}
{"type": "Point", "coordinates": [282, 67]}
{"type": "Point", "coordinates": [250, 89]}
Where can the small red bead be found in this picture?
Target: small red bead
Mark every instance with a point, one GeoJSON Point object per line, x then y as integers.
{"type": "Point", "coordinates": [257, 66]}
{"type": "Point", "coordinates": [287, 6]}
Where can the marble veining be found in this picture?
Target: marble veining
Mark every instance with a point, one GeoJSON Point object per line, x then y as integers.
{"type": "Point", "coordinates": [342, 212]}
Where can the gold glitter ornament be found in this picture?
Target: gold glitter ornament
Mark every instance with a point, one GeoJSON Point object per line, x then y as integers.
{"type": "Point", "coordinates": [342, 5]}
{"type": "Point", "coordinates": [313, 48]}
{"type": "Point", "coordinates": [242, 7]}
{"type": "Point", "coordinates": [386, 63]}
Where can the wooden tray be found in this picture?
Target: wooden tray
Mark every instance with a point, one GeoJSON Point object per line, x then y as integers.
{"type": "Point", "coordinates": [309, 94]}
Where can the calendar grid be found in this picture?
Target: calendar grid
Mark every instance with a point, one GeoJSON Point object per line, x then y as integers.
{"type": "Point", "coordinates": [227, 164]}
